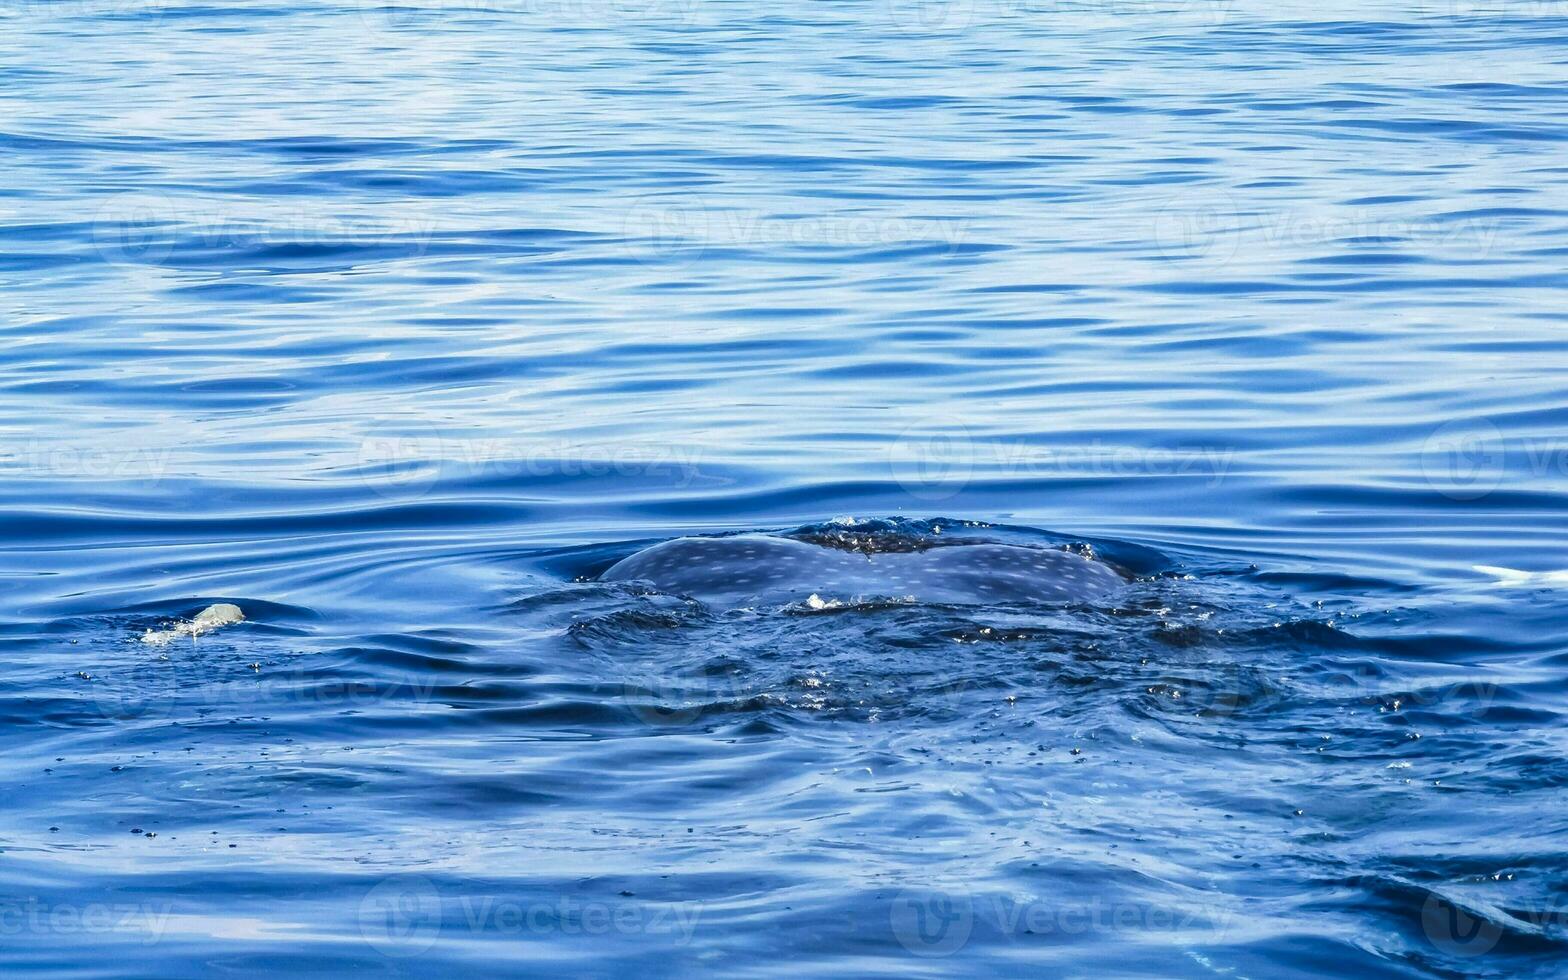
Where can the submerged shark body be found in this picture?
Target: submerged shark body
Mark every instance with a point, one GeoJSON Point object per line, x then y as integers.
{"type": "Point", "coordinates": [752, 569]}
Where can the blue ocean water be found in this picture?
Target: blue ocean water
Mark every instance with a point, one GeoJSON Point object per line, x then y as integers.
{"type": "Point", "coordinates": [395, 324]}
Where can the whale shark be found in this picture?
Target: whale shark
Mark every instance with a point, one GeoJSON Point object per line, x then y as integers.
{"type": "Point", "coordinates": [764, 569]}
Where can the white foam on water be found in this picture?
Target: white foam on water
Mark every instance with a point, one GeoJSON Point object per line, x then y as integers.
{"type": "Point", "coordinates": [212, 618]}
{"type": "Point", "coordinates": [1513, 578]}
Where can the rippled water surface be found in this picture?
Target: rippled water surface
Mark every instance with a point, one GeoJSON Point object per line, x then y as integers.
{"type": "Point", "coordinates": [397, 324]}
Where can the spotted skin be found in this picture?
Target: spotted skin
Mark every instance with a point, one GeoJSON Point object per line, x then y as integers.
{"type": "Point", "coordinates": [750, 569]}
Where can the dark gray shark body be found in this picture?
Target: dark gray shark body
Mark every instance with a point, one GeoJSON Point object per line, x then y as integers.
{"type": "Point", "coordinates": [759, 569]}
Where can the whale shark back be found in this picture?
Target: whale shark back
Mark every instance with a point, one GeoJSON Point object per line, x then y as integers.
{"type": "Point", "coordinates": [752, 569]}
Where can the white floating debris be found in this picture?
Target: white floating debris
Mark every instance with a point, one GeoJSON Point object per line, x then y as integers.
{"type": "Point", "coordinates": [1512, 578]}
{"type": "Point", "coordinates": [209, 619]}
